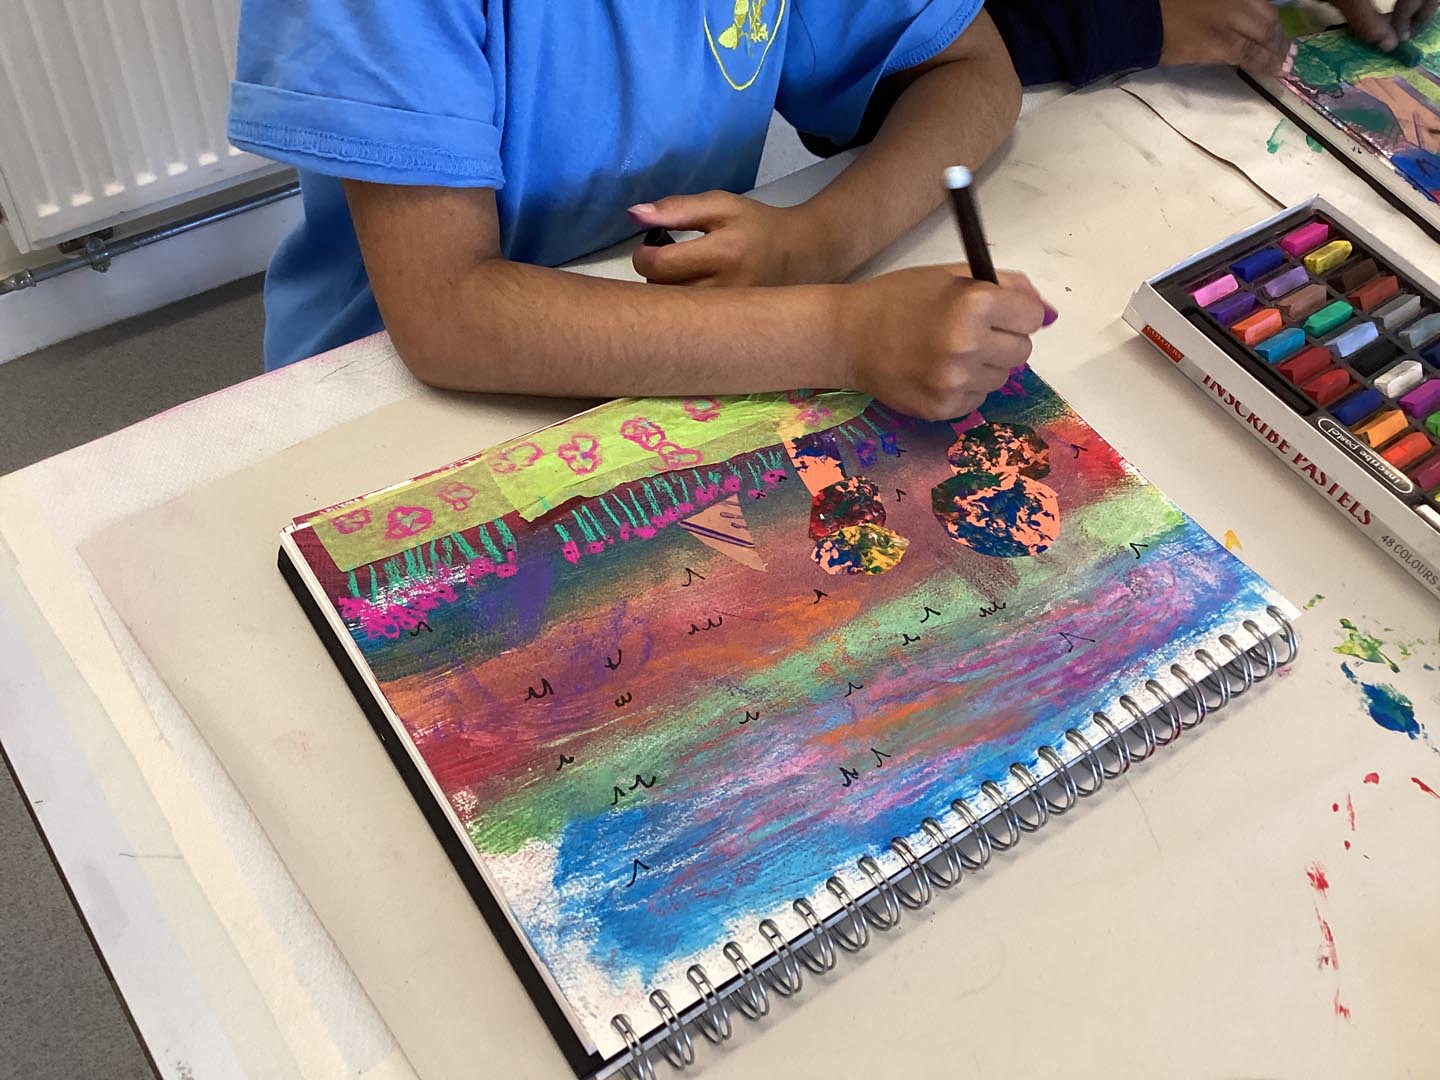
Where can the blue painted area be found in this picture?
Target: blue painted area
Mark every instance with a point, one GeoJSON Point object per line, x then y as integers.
{"type": "Point", "coordinates": [1421, 168]}
{"type": "Point", "coordinates": [1387, 706]}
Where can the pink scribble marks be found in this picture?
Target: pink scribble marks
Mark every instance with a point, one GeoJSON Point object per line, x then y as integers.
{"type": "Point", "coordinates": [1350, 812]}
{"type": "Point", "coordinates": [1341, 1010]}
{"type": "Point", "coordinates": [581, 454]}
{"type": "Point", "coordinates": [1318, 881]}
{"type": "Point", "coordinates": [1425, 787]}
{"type": "Point", "coordinates": [406, 521]}
{"type": "Point", "coordinates": [352, 522]}
{"type": "Point", "coordinates": [1372, 778]}
{"type": "Point", "coordinates": [648, 435]}
{"type": "Point", "coordinates": [702, 409]}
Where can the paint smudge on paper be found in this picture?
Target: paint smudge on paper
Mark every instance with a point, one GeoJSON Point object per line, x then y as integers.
{"type": "Point", "coordinates": [1341, 1010]}
{"type": "Point", "coordinates": [1371, 778]}
{"type": "Point", "coordinates": [1363, 646]}
{"type": "Point", "coordinates": [1315, 874]}
{"type": "Point", "coordinates": [1425, 787]}
{"type": "Point", "coordinates": [1387, 706]}
{"type": "Point", "coordinates": [1232, 542]}
{"type": "Point", "coordinates": [1326, 956]}
{"type": "Point", "coordinates": [1310, 604]}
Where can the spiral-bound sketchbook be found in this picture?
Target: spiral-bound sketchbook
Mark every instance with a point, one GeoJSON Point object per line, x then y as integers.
{"type": "Point", "coordinates": [699, 693]}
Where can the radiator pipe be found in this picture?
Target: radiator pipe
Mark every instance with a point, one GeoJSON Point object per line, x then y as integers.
{"type": "Point", "coordinates": [98, 252]}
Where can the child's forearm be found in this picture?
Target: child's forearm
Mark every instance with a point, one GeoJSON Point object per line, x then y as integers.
{"type": "Point", "coordinates": [955, 111]}
{"type": "Point", "coordinates": [514, 328]}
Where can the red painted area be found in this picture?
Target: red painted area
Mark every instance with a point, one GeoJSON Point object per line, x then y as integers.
{"type": "Point", "coordinates": [1334, 807]}
{"type": "Point", "coordinates": [1347, 845]}
{"type": "Point", "coordinates": [1424, 787]}
{"type": "Point", "coordinates": [1318, 881]}
{"type": "Point", "coordinates": [1350, 812]}
{"type": "Point", "coordinates": [1341, 1009]}
{"type": "Point", "coordinates": [1372, 778]}
{"type": "Point", "coordinates": [1327, 956]}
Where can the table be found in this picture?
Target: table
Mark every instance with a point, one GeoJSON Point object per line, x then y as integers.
{"type": "Point", "coordinates": [1172, 910]}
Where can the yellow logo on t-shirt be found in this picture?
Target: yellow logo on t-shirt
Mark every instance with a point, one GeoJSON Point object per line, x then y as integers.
{"type": "Point", "coordinates": [744, 41]}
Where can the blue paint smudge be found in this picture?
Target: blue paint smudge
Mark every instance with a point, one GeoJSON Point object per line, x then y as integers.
{"type": "Point", "coordinates": [1387, 706]}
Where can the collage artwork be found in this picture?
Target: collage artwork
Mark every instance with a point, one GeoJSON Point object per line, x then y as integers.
{"type": "Point", "coordinates": [674, 664]}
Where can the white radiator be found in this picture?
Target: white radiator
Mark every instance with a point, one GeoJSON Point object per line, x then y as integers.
{"type": "Point", "coordinates": [110, 109]}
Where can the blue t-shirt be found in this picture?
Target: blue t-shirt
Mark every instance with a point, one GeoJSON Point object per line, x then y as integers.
{"type": "Point", "coordinates": [573, 110]}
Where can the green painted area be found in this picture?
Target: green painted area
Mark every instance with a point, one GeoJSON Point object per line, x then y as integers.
{"type": "Point", "coordinates": [1119, 522]}
{"type": "Point", "coordinates": [1277, 138]}
{"type": "Point", "coordinates": [1363, 646]}
{"type": "Point", "coordinates": [1309, 604]}
{"type": "Point", "coordinates": [1314, 144]}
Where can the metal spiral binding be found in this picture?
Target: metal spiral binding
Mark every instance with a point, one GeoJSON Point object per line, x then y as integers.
{"type": "Point", "coordinates": [1000, 828]}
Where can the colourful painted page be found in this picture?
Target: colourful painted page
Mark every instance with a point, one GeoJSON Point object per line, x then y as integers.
{"type": "Point", "coordinates": [674, 664]}
{"type": "Point", "coordinates": [1377, 100]}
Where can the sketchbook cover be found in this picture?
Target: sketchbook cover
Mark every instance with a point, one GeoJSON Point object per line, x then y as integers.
{"type": "Point", "coordinates": [668, 666]}
{"type": "Point", "coordinates": [1390, 108]}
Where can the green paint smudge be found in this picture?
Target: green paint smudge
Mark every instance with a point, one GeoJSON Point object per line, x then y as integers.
{"type": "Point", "coordinates": [1315, 144]}
{"type": "Point", "coordinates": [1313, 601]}
{"type": "Point", "coordinates": [1363, 646]}
{"type": "Point", "coordinates": [1276, 140]}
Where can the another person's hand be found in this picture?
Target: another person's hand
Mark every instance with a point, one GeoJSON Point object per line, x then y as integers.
{"type": "Point", "coordinates": [745, 243]}
{"type": "Point", "coordinates": [1244, 33]}
{"type": "Point", "coordinates": [932, 342]}
{"type": "Point", "coordinates": [1386, 31]}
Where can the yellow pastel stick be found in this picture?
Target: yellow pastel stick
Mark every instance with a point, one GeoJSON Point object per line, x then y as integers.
{"type": "Point", "coordinates": [1324, 259]}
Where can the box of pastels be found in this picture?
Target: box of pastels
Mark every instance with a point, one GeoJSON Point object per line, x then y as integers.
{"type": "Point", "coordinates": [1326, 346]}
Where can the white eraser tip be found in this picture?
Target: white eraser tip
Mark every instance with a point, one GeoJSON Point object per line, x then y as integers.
{"type": "Point", "coordinates": [957, 176]}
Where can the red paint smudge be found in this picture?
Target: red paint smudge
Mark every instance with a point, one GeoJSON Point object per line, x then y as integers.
{"type": "Point", "coordinates": [1316, 873]}
{"type": "Point", "coordinates": [1340, 1009]}
{"type": "Point", "coordinates": [1335, 808]}
{"type": "Point", "coordinates": [1347, 845]}
{"type": "Point", "coordinates": [1372, 778]}
{"type": "Point", "coordinates": [1350, 812]}
{"type": "Point", "coordinates": [1424, 787]}
{"type": "Point", "coordinates": [1327, 956]}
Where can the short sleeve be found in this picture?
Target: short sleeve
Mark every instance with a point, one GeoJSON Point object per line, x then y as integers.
{"type": "Point", "coordinates": [397, 92]}
{"type": "Point", "coordinates": [837, 51]}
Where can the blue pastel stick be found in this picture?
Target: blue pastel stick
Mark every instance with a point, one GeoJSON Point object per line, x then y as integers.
{"type": "Point", "coordinates": [1280, 347]}
{"type": "Point", "coordinates": [1357, 406]}
{"type": "Point", "coordinates": [1351, 340]}
{"type": "Point", "coordinates": [1233, 308]}
{"type": "Point", "coordinates": [1261, 262]}
{"type": "Point", "coordinates": [1287, 282]}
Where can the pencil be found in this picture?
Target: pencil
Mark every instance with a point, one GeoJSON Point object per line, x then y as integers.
{"type": "Point", "coordinates": [959, 182]}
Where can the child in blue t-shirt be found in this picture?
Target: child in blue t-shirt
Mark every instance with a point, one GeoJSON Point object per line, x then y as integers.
{"type": "Point", "coordinates": [452, 152]}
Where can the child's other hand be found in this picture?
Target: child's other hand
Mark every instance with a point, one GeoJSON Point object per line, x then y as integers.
{"type": "Point", "coordinates": [1245, 33]}
{"type": "Point", "coordinates": [745, 242]}
{"type": "Point", "coordinates": [933, 342]}
{"type": "Point", "coordinates": [1386, 31]}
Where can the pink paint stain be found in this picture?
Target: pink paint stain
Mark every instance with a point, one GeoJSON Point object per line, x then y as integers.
{"type": "Point", "coordinates": [1340, 1009]}
{"type": "Point", "coordinates": [1372, 778]}
{"type": "Point", "coordinates": [1350, 812]}
{"type": "Point", "coordinates": [1326, 957]}
{"type": "Point", "coordinates": [1425, 787]}
{"type": "Point", "coordinates": [1318, 881]}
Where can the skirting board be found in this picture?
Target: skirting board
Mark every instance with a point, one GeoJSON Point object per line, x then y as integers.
{"type": "Point", "coordinates": [143, 280]}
